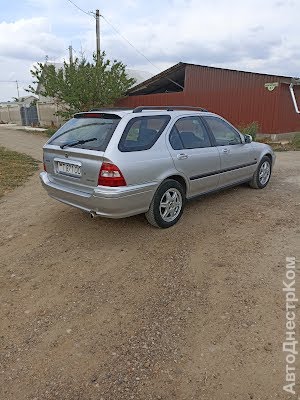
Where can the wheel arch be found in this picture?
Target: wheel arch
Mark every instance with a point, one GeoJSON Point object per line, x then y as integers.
{"type": "Point", "coordinates": [269, 155]}
{"type": "Point", "coordinates": [180, 179]}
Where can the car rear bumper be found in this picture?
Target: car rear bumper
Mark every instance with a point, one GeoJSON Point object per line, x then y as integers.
{"type": "Point", "coordinates": [108, 202]}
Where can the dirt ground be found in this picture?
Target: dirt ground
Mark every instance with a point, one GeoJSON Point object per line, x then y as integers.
{"type": "Point", "coordinates": [115, 309]}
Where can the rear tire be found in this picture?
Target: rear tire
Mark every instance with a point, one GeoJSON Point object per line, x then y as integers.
{"type": "Point", "coordinates": [167, 204]}
{"type": "Point", "coordinates": [262, 174]}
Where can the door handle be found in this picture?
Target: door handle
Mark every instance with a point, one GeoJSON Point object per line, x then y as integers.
{"type": "Point", "coordinates": [226, 150]}
{"type": "Point", "coordinates": [182, 156]}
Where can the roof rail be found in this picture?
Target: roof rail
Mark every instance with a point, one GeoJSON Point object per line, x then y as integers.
{"type": "Point", "coordinates": [167, 108]}
{"type": "Point", "coordinates": [111, 109]}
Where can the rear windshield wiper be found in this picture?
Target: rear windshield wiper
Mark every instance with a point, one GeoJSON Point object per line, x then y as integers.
{"type": "Point", "coordinates": [71, 144]}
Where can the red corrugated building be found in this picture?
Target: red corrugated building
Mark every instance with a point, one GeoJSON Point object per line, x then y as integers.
{"type": "Point", "coordinates": [241, 97]}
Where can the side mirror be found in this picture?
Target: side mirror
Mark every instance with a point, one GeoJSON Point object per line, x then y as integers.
{"type": "Point", "coordinates": [248, 138]}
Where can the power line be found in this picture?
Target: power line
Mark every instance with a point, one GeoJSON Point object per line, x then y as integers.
{"type": "Point", "coordinates": [15, 81]}
{"type": "Point", "coordinates": [92, 14]}
{"type": "Point", "coordinates": [126, 40]}
{"type": "Point", "coordinates": [137, 50]}
{"type": "Point", "coordinates": [89, 13]}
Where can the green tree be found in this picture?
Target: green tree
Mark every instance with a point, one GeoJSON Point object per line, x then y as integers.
{"type": "Point", "coordinates": [81, 85]}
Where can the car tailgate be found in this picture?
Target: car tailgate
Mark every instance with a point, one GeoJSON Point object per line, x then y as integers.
{"type": "Point", "coordinates": [73, 168]}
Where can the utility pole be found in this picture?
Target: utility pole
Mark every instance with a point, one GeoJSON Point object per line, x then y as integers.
{"type": "Point", "coordinates": [98, 35]}
{"type": "Point", "coordinates": [71, 54]}
{"type": "Point", "coordinates": [17, 83]}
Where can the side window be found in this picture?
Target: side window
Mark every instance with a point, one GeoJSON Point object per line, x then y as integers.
{"type": "Point", "coordinates": [189, 133]}
{"type": "Point", "coordinates": [223, 133]}
{"type": "Point", "coordinates": [142, 132]}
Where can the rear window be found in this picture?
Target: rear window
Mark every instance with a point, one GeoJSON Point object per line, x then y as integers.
{"type": "Point", "coordinates": [142, 132]}
{"type": "Point", "coordinates": [98, 129]}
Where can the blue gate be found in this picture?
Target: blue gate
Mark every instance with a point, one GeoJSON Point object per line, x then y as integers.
{"type": "Point", "coordinates": [29, 115]}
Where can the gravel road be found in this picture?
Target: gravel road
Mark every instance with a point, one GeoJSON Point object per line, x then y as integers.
{"type": "Point", "coordinates": [116, 309]}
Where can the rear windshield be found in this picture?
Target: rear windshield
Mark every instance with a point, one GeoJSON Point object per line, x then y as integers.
{"type": "Point", "coordinates": [96, 131]}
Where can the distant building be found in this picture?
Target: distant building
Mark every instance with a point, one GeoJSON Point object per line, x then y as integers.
{"type": "Point", "coordinates": [139, 76]}
{"type": "Point", "coordinates": [20, 101]}
{"type": "Point", "coordinates": [14, 111]}
{"type": "Point", "coordinates": [241, 97]}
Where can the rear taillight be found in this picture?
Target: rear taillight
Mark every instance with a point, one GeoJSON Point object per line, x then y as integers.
{"type": "Point", "coordinates": [110, 175]}
{"type": "Point", "coordinates": [44, 164]}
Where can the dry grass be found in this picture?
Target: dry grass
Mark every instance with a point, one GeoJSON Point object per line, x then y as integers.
{"type": "Point", "coordinates": [15, 168]}
{"type": "Point", "coordinates": [293, 144]}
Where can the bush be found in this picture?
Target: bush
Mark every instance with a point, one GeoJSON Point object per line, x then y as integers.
{"type": "Point", "coordinates": [249, 129]}
{"type": "Point", "coordinates": [296, 141]}
{"type": "Point", "coordinates": [50, 131]}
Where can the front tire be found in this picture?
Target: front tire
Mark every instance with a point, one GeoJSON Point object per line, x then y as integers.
{"type": "Point", "coordinates": [167, 204]}
{"type": "Point", "coordinates": [262, 174]}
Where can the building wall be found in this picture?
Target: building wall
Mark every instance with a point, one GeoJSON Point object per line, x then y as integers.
{"type": "Point", "coordinates": [289, 120]}
{"type": "Point", "coordinates": [4, 116]}
{"type": "Point", "coordinates": [27, 100]}
{"type": "Point", "coordinates": [239, 97]}
{"type": "Point", "coordinates": [10, 114]}
{"type": "Point", "coordinates": [160, 99]}
{"type": "Point", "coordinates": [46, 114]}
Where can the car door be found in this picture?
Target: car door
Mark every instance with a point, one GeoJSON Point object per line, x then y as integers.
{"type": "Point", "coordinates": [238, 160]}
{"type": "Point", "coordinates": [194, 155]}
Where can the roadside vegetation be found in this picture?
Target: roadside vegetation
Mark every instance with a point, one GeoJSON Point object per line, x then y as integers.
{"type": "Point", "coordinates": [15, 168]}
{"type": "Point", "coordinates": [50, 131]}
{"type": "Point", "coordinates": [249, 129]}
{"type": "Point", "coordinates": [283, 145]}
{"type": "Point", "coordinates": [81, 85]}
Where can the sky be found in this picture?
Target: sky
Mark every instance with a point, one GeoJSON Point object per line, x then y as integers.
{"type": "Point", "coordinates": [251, 35]}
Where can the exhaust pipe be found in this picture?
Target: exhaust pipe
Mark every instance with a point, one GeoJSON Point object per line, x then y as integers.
{"type": "Point", "coordinates": [93, 214]}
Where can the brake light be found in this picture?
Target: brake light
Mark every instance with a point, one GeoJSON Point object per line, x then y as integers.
{"type": "Point", "coordinates": [110, 175]}
{"type": "Point", "coordinates": [90, 115]}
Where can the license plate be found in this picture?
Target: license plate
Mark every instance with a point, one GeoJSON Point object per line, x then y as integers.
{"type": "Point", "coordinates": [69, 169]}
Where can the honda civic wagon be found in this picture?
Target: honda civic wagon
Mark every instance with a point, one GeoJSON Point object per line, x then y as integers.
{"type": "Point", "coordinates": [117, 163]}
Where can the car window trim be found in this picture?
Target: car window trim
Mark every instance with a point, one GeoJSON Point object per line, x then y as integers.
{"type": "Point", "coordinates": [212, 144]}
{"type": "Point", "coordinates": [126, 130]}
{"type": "Point", "coordinates": [212, 135]}
{"type": "Point", "coordinates": [177, 131]}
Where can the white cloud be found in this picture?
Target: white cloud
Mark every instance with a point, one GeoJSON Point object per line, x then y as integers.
{"type": "Point", "coordinates": [250, 35]}
{"type": "Point", "coordinates": [246, 35]}
{"type": "Point", "coordinates": [29, 39]}
{"type": "Point", "coordinates": [22, 43]}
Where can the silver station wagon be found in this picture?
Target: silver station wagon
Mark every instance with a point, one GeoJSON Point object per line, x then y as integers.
{"type": "Point", "coordinates": [116, 163]}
